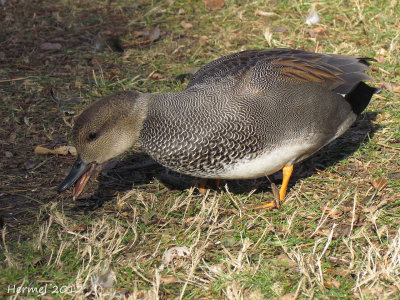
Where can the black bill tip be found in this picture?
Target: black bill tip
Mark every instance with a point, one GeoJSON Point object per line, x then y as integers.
{"type": "Point", "coordinates": [78, 169]}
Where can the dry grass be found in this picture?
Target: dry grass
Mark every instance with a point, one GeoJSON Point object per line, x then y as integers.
{"type": "Point", "coordinates": [153, 236]}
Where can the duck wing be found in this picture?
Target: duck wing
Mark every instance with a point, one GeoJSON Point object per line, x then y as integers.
{"type": "Point", "coordinates": [255, 71]}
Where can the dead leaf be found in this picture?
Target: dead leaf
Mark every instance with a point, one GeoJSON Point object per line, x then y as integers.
{"type": "Point", "coordinates": [318, 31]}
{"type": "Point", "coordinates": [177, 257]}
{"type": "Point", "coordinates": [62, 150]}
{"type": "Point", "coordinates": [265, 13]}
{"type": "Point", "coordinates": [379, 183]}
{"type": "Point", "coordinates": [333, 213]}
{"type": "Point", "coordinates": [147, 35]}
{"type": "Point", "coordinates": [50, 46]}
{"type": "Point", "coordinates": [105, 279]}
{"type": "Point", "coordinates": [379, 292]}
{"type": "Point", "coordinates": [217, 269]}
{"type": "Point", "coordinates": [168, 279]}
{"type": "Point", "coordinates": [40, 259]}
{"type": "Point", "coordinates": [381, 55]}
{"type": "Point", "coordinates": [284, 261]}
{"type": "Point", "coordinates": [30, 164]}
{"type": "Point", "coordinates": [11, 138]}
{"type": "Point", "coordinates": [391, 87]}
{"type": "Point", "coordinates": [203, 39]}
{"type": "Point", "coordinates": [156, 76]}
{"type": "Point", "coordinates": [279, 29]}
{"type": "Point", "coordinates": [214, 4]}
{"type": "Point", "coordinates": [80, 228]}
{"type": "Point", "coordinates": [154, 33]}
{"type": "Point", "coordinates": [47, 297]}
{"type": "Point", "coordinates": [383, 117]}
{"type": "Point", "coordinates": [395, 175]}
{"type": "Point", "coordinates": [8, 154]}
{"type": "Point", "coordinates": [186, 25]}
{"type": "Point", "coordinates": [339, 261]}
{"type": "Point", "coordinates": [290, 296]}
{"type": "Point", "coordinates": [331, 282]}
{"type": "Point", "coordinates": [370, 209]}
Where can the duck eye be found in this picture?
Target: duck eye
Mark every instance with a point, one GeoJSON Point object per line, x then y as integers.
{"type": "Point", "coordinates": [92, 136]}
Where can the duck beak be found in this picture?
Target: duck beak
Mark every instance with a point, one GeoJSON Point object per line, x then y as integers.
{"type": "Point", "coordinates": [79, 174]}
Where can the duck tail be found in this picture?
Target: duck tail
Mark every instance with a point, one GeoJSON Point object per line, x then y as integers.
{"type": "Point", "coordinates": [360, 96]}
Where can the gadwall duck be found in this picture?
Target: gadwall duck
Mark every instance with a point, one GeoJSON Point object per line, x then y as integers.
{"type": "Point", "coordinates": [245, 115]}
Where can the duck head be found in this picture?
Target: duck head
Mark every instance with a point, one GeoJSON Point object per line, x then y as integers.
{"type": "Point", "coordinates": [104, 130]}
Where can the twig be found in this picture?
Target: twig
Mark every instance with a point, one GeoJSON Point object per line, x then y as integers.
{"type": "Point", "coordinates": [353, 213]}
{"type": "Point", "coordinates": [390, 147]}
{"type": "Point", "coordinates": [141, 275]}
{"type": "Point", "coordinates": [322, 220]}
{"type": "Point", "coordinates": [15, 79]}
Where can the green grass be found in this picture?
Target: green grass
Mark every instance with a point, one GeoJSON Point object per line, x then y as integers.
{"type": "Point", "coordinates": [336, 236]}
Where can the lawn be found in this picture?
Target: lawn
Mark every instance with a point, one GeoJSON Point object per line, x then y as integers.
{"type": "Point", "coordinates": [140, 232]}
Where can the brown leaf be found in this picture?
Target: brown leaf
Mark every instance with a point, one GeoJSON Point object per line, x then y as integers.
{"type": "Point", "coordinates": [381, 55]}
{"type": "Point", "coordinates": [279, 29]}
{"type": "Point", "coordinates": [40, 259]}
{"type": "Point", "coordinates": [379, 292]}
{"type": "Point", "coordinates": [284, 261]}
{"type": "Point", "coordinates": [30, 164]}
{"type": "Point", "coordinates": [186, 25]}
{"type": "Point", "coordinates": [62, 150]}
{"type": "Point", "coordinates": [11, 138]}
{"type": "Point", "coordinates": [50, 46]}
{"type": "Point", "coordinates": [318, 31]}
{"type": "Point", "coordinates": [391, 87]}
{"type": "Point", "coordinates": [203, 39]}
{"type": "Point", "coordinates": [151, 34]}
{"type": "Point", "coordinates": [8, 154]}
{"type": "Point", "coordinates": [178, 256]}
{"type": "Point", "coordinates": [331, 282]}
{"type": "Point", "coordinates": [333, 213]}
{"type": "Point", "coordinates": [395, 175]}
{"type": "Point", "coordinates": [168, 279]}
{"type": "Point", "coordinates": [379, 183]}
{"type": "Point", "coordinates": [214, 4]}
{"type": "Point", "coordinates": [290, 296]}
{"type": "Point", "coordinates": [156, 76]}
{"type": "Point", "coordinates": [262, 13]}
{"type": "Point", "coordinates": [154, 33]}
{"type": "Point", "coordinates": [80, 228]}
{"type": "Point", "coordinates": [47, 297]}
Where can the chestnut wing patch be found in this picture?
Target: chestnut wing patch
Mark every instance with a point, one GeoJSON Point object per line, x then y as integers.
{"type": "Point", "coordinates": [310, 70]}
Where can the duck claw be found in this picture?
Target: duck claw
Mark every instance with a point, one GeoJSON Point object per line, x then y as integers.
{"type": "Point", "coordinates": [268, 205]}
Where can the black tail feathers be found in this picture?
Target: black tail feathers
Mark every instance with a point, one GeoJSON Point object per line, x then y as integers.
{"type": "Point", "coordinates": [360, 96]}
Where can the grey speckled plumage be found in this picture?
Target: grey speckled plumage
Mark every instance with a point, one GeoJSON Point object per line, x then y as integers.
{"type": "Point", "coordinates": [250, 103]}
{"type": "Point", "coordinates": [244, 115]}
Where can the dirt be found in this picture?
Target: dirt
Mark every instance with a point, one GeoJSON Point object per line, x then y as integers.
{"type": "Point", "coordinates": [44, 45]}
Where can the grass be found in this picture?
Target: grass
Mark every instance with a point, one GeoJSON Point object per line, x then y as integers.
{"type": "Point", "coordinates": [336, 236]}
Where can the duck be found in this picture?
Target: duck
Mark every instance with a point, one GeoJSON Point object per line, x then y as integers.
{"type": "Point", "coordinates": [245, 115]}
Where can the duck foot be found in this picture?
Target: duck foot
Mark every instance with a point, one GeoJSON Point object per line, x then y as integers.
{"type": "Point", "coordinates": [279, 196]}
{"type": "Point", "coordinates": [268, 205]}
{"type": "Point", "coordinates": [204, 182]}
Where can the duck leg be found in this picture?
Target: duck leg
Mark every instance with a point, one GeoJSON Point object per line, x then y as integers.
{"type": "Point", "coordinates": [287, 172]}
{"type": "Point", "coordinates": [202, 186]}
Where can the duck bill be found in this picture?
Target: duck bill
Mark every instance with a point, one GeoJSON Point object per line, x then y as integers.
{"type": "Point", "coordinates": [79, 175]}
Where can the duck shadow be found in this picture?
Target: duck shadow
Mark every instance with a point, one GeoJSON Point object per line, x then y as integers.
{"type": "Point", "coordinates": [138, 170]}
